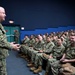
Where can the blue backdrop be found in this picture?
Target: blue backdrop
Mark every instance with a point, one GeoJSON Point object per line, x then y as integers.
{"type": "Point", "coordinates": [34, 14]}
{"type": "Point", "coordinates": [43, 31]}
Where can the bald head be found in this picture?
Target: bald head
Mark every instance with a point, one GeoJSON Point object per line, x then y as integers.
{"type": "Point", "coordinates": [2, 14]}
{"type": "Point", "coordinates": [1, 8]}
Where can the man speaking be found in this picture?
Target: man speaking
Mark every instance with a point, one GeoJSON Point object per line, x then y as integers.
{"type": "Point", "coordinates": [4, 44]}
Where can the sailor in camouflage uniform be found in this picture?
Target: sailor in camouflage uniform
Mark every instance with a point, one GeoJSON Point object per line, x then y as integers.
{"type": "Point", "coordinates": [16, 36]}
{"type": "Point", "coordinates": [24, 46]}
{"type": "Point", "coordinates": [39, 56]}
{"type": "Point", "coordinates": [36, 49]}
{"type": "Point", "coordinates": [4, 44]}
{"type": "Point", "coordinates": [55, 55]}
{"type": "Point", "coordinates": [68, 59]}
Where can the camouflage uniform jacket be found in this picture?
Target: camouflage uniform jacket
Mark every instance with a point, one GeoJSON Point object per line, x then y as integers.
{"type": "Point", "coordinates": [58, 51]}
{"type": "Point", "coordinates": [4, 45]}
{"type": "Point", "coordinates": [39, 45]}
{"type": "Point", "coordinates": [48, 46]}
{"type": "Point", "coordinates": [70, 53]}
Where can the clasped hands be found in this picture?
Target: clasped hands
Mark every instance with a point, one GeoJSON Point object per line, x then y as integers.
{"type": "Point", "coordinates": [15, 46]}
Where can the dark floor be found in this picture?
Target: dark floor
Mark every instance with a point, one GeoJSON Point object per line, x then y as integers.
{"type": "Point", "coordinates": [17, 65]}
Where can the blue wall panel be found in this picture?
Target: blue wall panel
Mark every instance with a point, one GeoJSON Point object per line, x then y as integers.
{"type": "Point", "coordinates": [43, 31]}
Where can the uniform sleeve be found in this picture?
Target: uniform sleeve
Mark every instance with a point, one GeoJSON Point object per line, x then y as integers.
{"type": "Point", "coordinates": [4, 43]}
